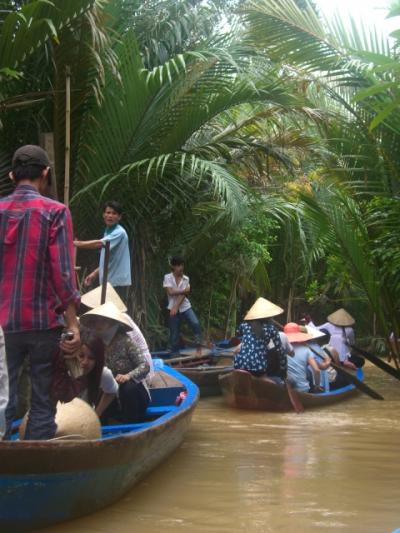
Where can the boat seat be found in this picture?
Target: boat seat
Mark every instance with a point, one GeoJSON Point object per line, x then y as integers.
{"type": "Point", "coordinates": [151, 412]}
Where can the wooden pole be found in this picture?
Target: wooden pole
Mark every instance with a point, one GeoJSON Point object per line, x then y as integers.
{"type": "Point", "coordinates": [105, 273]}
{"type": "Point", "coordinates": [67, 135]}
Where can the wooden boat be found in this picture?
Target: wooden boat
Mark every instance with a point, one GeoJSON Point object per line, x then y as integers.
{"type": "Point", "coordinates": [45, 482]}
{"type": "Point", "coordinates": [244, 391]}
{"type": "Point", "coordinates": [204, 370]}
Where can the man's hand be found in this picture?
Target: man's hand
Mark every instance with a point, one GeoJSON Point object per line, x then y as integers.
{"type": "Point", "coordinates": [187, 290]}
{"type": "Point", "coordinates": [90, 279]}
{"type": "Point", "coordinates": [173, 311]}
{"type": "Point", "coordinates": [70, 347]}
{"type": "Point", "coordinates": [122, 378]}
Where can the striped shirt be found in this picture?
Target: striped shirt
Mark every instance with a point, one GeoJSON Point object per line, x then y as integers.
{"type": "Point", "coordinates": [37, 278]}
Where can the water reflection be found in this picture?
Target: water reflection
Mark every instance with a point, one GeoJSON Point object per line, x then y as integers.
{"type": "Point", "coordinates": [325, 470]}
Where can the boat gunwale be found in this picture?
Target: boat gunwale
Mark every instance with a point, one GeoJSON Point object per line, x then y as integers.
{"type": "Point", "coordinates": [188, 404]}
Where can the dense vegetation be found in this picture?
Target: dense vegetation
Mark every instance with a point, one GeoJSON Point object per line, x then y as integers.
{"type": "Point", "coordinates": [256, 138]}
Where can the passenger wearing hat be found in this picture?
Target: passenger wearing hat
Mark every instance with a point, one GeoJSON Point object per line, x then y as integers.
{"type": "Point", "coordinates": [303, 357]}
{"type": "Point", "coordinates": [93, 298]}
{"type": "Point", "coordinates": [261, 351]}
{"type": "Point", "coordinates": [94, 383]}
{"type": "Point", "coordinates": [340, 328]}
{"type": "Point", "coordinates": [128, 365]}
{"type": "Point", "coordinates": [37, 285]}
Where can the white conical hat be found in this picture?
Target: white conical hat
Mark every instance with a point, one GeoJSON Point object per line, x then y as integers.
{"type": "Point", "coordinates": [263, 309]}
{"type": "Point", "coordinates": [341, 318]}
{"type": "Point", "coordinates": [93, 298]}
{"type": "Point", "coordinates": [110, 311]}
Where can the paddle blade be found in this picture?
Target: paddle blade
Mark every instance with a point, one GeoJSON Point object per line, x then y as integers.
{"type": "Point", "coordinates": [294, 398]}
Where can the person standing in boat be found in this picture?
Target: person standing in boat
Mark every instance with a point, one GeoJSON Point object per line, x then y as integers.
{"type": "Point", "coordinates": [3, 385]}
{"type": "Point", "coordinates": [177, 287]}
{"type": "Point", "coordinates": [261, 351]}
{"type": "Point", "coordinates": [128, 365]}
{"type": "Point", "coordinates": [119, 269]}
{"type": "Point", "coordinates": [340, 327]}
{"type": "Point", "coordinates": [297, 373]}
{"type": "Point", "coordinates": [37, 285]}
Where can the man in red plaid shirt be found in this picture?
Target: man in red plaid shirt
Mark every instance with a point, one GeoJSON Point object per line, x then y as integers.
{"type": "Point", "coordinates": [37, 286]}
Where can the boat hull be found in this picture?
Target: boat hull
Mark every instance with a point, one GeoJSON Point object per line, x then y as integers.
{"type": "Point", "coordinates": [207, 379]}
{"type": "Point", "coordinates": [43, 483]}
{"type": "Point", "coordinates": [243, 391]}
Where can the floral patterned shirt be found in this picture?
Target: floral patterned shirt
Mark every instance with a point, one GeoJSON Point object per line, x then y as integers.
{"type": "Point", "coordinates": [123, 357]}
{"type": "Point", "coordinates": [264, 355]}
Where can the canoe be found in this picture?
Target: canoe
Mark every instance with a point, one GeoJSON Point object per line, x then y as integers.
{"type": "Point", "coordinates": [244, 391]}
{"type": "Point", "coordinates": [46, 482]}
{"type": "Point", "coordinates": [206, 378]}
{"type": "Point", "coordinates": [204, 370]}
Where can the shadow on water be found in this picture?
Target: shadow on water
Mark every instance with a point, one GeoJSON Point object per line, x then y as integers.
{"type": "Point", "coordinates": [324, 470]}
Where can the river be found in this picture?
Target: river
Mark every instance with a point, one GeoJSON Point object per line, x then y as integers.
{"type": "Point", "coordinates": [334, 469]}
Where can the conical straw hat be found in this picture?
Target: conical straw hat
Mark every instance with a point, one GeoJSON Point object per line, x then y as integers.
{"type": "Point", "coordinates": [93, 298]}
{"type": "Point", "coordinates": [110, 311]}
{"type": "Point", "coordinates": [341, 318]}
{"type": "Point", "coordinates": [263, 309]}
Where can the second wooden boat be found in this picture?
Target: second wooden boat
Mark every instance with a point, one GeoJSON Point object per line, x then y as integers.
{"type": "Point", "coordinates": [245, 391]}
{"type": "Point", "coordinates": [204, 369]}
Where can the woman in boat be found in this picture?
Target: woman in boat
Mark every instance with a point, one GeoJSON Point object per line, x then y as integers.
{"type": "Point", "coordinates": [127, 364]}
{"type": "Point", "coordinates": [93, 382]}
{"type": "Point", "coordinates": [261, 352]}
{"type": "Point", "coordinates": [303, 357]}
{"type": "Point", "coordinates": [92, 299]}
{"type": "Point", "coordinates": [336, 381]}
{"type": "Point", "coordinates": [340, 328]}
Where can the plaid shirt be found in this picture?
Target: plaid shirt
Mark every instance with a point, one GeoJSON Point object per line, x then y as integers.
{"type": "Point", "coordinates": [37, 278]}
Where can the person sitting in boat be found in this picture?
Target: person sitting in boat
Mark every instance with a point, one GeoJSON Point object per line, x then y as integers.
{"type": "Point", "coordinates": [129, 367]}
{"type": "Point", "coordinates": [340, 328]}
{"type": "Point", "coordinates": [324, 353]}
{"type": "Point", "coordinates": [336, 380]}
{"type": "Point", "coordinates": [85, 376]}
{"type": "Point", "coordinates": [297, 371]}
{"type": "Point", "coordinates": [92, 299]}
{"type": "Point", "coordinates": [261, 351]}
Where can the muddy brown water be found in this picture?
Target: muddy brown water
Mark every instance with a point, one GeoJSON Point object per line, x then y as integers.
{"type": "Point", "coordinates": [333, 469]}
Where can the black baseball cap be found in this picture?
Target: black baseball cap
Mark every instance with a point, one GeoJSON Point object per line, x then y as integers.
{"type": "Point", "coordinates": [30, 154]}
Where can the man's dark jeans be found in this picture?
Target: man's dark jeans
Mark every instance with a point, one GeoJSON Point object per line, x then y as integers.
{"type": "Point", "coordinates": [188, 316]}
{"type": "Point", "coordinates": [40, 347]}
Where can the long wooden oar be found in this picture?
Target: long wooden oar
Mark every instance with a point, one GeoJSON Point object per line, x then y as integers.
{"type": "Point", "coordinates": [376, 361]}
{"type": "Point", "coordinates": [294, 398]}
{"type": "Point", "coordinates": [363, 387]}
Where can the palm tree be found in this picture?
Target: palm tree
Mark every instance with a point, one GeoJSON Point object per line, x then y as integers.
{"type": "Point", "coordinates": [362, 140]}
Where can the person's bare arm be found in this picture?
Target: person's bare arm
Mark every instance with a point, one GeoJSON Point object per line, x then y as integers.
{"type": "Point", "coordinates": [316, 371]}
{"type": "Point", "coordinates": [104, 402]}
{"type": "Point", "coordinates": [177, 292]}
{"type": "Point", "coordinates": [323, 365]}
{"type": "Point", "coordinates": [177, 305]}
{"type": "Point", "coordinates": [89, 245]}
{"type": "Point", "coordinates": [90, 278]}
